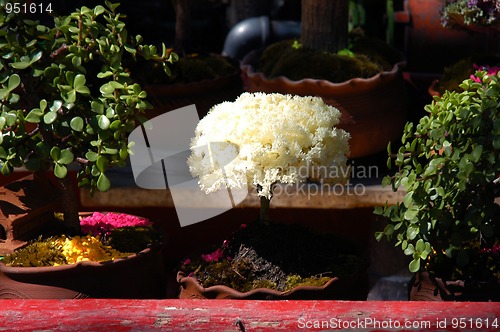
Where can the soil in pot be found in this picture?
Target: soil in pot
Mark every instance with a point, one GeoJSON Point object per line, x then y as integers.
{"type": "Point", "coordinates": [280, 258]}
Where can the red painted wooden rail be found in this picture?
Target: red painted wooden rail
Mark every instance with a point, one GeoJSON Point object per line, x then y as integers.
{"type": "Point", "coordinates": [236, 315]}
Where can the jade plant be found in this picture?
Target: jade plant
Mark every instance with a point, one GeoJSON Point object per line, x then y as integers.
{"type": "Point", "coordinates": [449, 167]}
{"type": "Point", "coordinates": [67, 96]}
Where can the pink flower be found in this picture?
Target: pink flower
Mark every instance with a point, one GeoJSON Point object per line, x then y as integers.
{"type": "Point", "coordinates": [213, 257]}
{"type": "Point", "coordinates": [102, 223]}
{"type": "Point", "coordinates": [475, 79]}
{"type": "Point", "coordinates": [187, 261]}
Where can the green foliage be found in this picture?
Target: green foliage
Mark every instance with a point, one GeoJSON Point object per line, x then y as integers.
{"type": "Point", "coordinates": [449, 165]}
{"type": "Point", "coordinates": [66, 94]}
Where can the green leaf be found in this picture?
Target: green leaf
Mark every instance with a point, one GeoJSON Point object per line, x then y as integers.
{"type": "Point", "coordinates": [33, 116]}
{"type": "Point", "coordinates": [76, 124]}
{"type": "Point", "coordinates": [103, 183]}
{"type": "Point", "coordinates": [6, 169]}
{"type": "Point", "coordinates": [105, 74]}
{"type": "Point", "coordinates": [410, 249]}
{"type": "Point", "coordinates": [36, 57]}
{"type": "Point", "coordinates": [66, 157]}
{"type": "Point", "coordinates": [50, 117]}
{"type": "Point", "coordinates": [20, 65]}
{"type": "Point", "coordinates": [412, 232]}
{"type": "Point", "coordinates": [420, 245]}
{"type": "Point", "coordinates": [408, 199]}
{"type": "Point", "coordinates": [414, 265]}
{"type": "Point", "coordinates": [14, 81]}
{"type": "Point", "coordinates": [91, 156]}
{"type": "Point", "coordinates": [107, 88]}
{"type": "Point", "coordinates": [98, 10]}
{"type": "Point", "coordinates": [79, 81]}
{"type": "Point", "coordinates": [55, 153]}
{"type": "Point", "coordinates": [411, 213]}
{"type": "Point", "coordinates": [103, 122]}
{"type": "Point", "coordinates": [60, 171]}
{"type": "Point", "coordinates": [97, 107]}
{"type": "Point", "coordinates": [101, 164]}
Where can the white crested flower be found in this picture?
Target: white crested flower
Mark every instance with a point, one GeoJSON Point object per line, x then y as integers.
{"type": "Point", "coordinates": [263, 139]}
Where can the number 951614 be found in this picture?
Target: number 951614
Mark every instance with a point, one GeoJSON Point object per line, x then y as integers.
{"type": "Point", "coordinates": [28, 8]}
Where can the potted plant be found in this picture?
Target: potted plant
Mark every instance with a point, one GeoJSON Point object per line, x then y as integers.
{"type": "Point", "coordinates": [273, 138]}
{"type": "Point", "coordinates": [454, 75]}
{"type": "Point", "coordinates": [198, 77]}
{"type": "Point", "coordinates": [366, 83]}
{"type": "Point", "coordinates": [448, 220]}
{"type": "Point", "coordinates": [472, 15]}
{"type": "Point", "coordinates": [68, 100]}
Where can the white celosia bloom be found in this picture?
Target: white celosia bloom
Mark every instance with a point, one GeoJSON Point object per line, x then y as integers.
{"type": "Point", "coordinates": [274, 138]}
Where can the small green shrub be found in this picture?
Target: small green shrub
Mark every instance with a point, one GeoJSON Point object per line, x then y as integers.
{"type": "Point", "coordinates": [449, 166]}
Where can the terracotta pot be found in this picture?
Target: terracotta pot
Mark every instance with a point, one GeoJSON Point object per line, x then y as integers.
{"type": "Point", "coordinates": [339, 289]}
{"type": "Point", "coordinates": [425, 287]}
{"type": "Point", "coordinates": [204, 94]}
{"type": "Point", "coordinates": [373, 110]}
{"type": "Point", "coordinates": [138, 276]}
{"type": "Point", "coordinates": [432, 90]}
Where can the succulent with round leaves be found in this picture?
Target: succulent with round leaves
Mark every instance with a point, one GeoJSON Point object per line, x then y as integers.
{"type": "Point", "coordinates": [66, 95]}
{"type": "Point", "coordinates": [449, 166]}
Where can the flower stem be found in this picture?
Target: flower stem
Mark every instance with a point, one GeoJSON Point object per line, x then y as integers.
{"type": "Point", "coordinates": [264, 209]}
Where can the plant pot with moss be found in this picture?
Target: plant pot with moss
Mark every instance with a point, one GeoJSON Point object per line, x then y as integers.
{"type": "Point", "coordinates": [269, 139]}
{"type": "Point", "coordinates": [447, 222]}
{"type": "Point", "coordinates": [68, 102]}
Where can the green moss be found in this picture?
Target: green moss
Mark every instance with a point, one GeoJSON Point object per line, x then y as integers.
{"type": "Point", "coordinates": [133, 239]}
{"type": "Point", "coordinates": [285, 59]}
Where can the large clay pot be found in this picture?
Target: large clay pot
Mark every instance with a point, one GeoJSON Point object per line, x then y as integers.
{"type": "Point", "coordinates": [339, 289]}
{"type": "Point", "coordinates": [373, 110]}
{"type": "Point", "coordinates": [138, 276]}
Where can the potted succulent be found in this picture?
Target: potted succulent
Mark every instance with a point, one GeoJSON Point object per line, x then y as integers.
{"type": "Point", "coordinates": [358, 75]}
{"type": "Point", "coordinates": [68, 100]}
{"type": "Point", "coordinates": [448, 220]}
{"type": "Point", "coordinates": [275, 139]}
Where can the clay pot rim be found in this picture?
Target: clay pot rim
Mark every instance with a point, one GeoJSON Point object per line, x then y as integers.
{"type": "Point", "coordinates": [248, 68]}
{"type": "Point", "coordinates": [182, 279]}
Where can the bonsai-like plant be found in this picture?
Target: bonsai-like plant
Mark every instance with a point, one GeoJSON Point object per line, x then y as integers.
{"type": "Point", "coordinates": [67, 96]}
{"type": "Point", "coordinates": [276, 139]}
{"type": "Point", "coordinates": [448, 165]}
